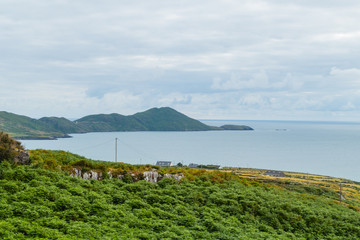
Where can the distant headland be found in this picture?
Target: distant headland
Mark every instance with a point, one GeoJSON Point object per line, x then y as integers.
{"type": "Point", "coordinates": [154, 119]}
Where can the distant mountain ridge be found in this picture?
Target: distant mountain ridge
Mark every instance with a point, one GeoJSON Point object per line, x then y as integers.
{"type": "Point", "coordinates": [154, 119]}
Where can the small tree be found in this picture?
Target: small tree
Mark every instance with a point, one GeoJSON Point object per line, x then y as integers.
{"type": "Point", "coordinates": [9, 147]}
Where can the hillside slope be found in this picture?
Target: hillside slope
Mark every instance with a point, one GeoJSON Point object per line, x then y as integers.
{"type": "Point", "coordinates": [61, 124]}
{"type": "Point", "coordinates": [168, 119]}
{"type": "Point", "coordinates": [155, 119]}
{"type": "Point", "coordinates": [36, 203]}
{"type": "Point", "coordinates": [109, 123]}
{"type": "Point", "coordinates": [24, 127]}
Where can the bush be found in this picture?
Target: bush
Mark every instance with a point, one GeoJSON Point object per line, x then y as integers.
{"type": "Point", "coordinates": [9, 147]}
{"type": "Point", "coordinates": [44, 204]}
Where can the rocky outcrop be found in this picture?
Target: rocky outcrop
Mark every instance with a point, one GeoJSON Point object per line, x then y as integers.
{"type": "Point", "coordinates": [150, 176]}
{"type": "Point", "coordinates": [86, 174]}
{"type": "Point", "coordinates": [177, 177]}
{"type": "Point", "coordinates": [22, 157]}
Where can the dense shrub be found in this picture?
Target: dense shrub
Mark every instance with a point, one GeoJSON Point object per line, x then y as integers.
{"type": "Point", "coordinates": [43, 204]}
{"type": "Point", "coordinates": [9, 147]}
{"type": "Point", "coordinates": [41, 201]}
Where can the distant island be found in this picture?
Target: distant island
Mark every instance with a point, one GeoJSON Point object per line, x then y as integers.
{"type": "Point", "coordinates": [154, 119]}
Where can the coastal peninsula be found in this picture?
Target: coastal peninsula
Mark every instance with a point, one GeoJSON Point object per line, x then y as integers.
{"type": "Point", "coordinates": [154, 119]}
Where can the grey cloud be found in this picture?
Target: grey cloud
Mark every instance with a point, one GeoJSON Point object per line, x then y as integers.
{"type": "Point", "coordinates": [265, 56]}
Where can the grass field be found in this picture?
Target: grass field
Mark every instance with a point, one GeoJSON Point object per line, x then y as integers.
{"type": "Point", "coordinates": [304, 182]}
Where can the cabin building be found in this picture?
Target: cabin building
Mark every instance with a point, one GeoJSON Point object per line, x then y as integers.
{"type": "Point", "coordinates": [164, 163]}
{"type": "Point", "coordinates": [193, 165]}
{"type": "Point", "coordinates": [210, 166]}
{"type": "Point", "coordinates": [273, 173]}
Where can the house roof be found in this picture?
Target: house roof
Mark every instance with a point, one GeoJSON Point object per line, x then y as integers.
{"type": "Point", "coordinates": [163, 163]}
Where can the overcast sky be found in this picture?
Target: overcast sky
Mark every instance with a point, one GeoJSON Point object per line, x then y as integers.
{"type": "Point", "coordinates": [229, 59]}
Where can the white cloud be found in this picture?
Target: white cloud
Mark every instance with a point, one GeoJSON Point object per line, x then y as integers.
{"type": "Point", "coordinates": [266, 59]}
{"type": "Point", "coordinates": [346, 78]}
{"type": "Point", "coordinates": [257, 80]}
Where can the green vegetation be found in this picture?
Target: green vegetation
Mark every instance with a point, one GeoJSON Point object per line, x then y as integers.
{"type": "Point", "coordinates": [40, 201]}
{"type": "Point", "coordinates": [9, 148]}
{"type": "Point", "coordinates": [155, 119]}
{"type": "Point", "coordinates": [308, 183]}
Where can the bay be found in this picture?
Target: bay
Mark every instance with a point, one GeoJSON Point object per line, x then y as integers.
{"type": "Point", "coordinates": [325, 148]}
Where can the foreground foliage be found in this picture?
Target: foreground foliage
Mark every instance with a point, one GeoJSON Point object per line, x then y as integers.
{"type": "Point", "coordinates": [9, 148]}
{"type": "Point", "coordinates": [36, 203]}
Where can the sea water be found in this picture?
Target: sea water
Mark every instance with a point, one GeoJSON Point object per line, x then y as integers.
{"type": "Point", "coordinates": [325, 148]}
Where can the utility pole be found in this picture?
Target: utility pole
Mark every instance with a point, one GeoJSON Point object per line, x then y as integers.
{"type": "Point", "coordinates": [116, 149]}
{"type": "Point", "coordinates": [340, 193]}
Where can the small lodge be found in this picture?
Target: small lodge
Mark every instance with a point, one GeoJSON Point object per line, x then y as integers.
{"type": "Point", "coordinates": [193, 165]}
{"type": "Point", "coordinates": [273, 173]}
{"type": "Point", "coordinates": [164, 163]}
{"type": "Point", "coordinates": [210, 166]}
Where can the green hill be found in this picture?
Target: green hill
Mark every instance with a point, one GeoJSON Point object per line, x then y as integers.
{"type": "Point", "coordinates": [61, 124]}
{"type": "Point", "coordinates": [109, 123]}
{"type": "Point", "coordinates": [24, 127]}
{"type": "Point", "coordinates": [155, 119]}
{"type": "Point", "coordinates": [167, 119]}
{"type": "Point", "coordinates": [41, 201]}
{"type": "Point", "coordinates": [235, 127]}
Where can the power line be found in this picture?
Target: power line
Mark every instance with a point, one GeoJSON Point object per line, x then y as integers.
{"type": "Point", "coordinates": [140, 153]}
{"type": "Point", "coordinates": [116, 139]}
{"type": "Point", "coordinates": [93, 146]}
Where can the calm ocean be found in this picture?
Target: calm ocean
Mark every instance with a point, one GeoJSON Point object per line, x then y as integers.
{"type": "Point", "coordinates": [324, 148]}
